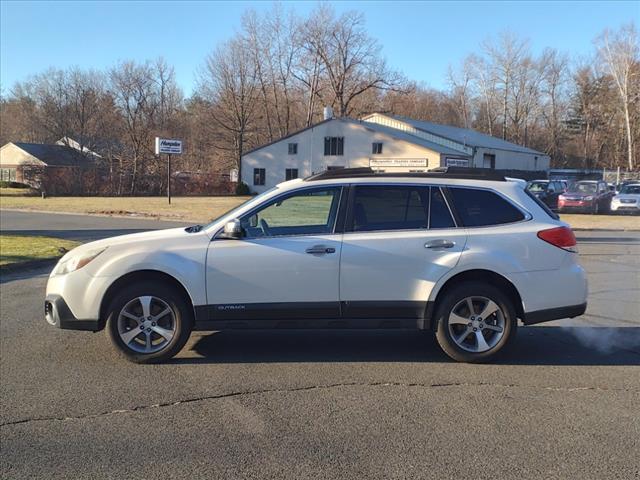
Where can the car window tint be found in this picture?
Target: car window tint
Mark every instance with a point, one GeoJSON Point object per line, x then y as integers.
{"type": "Point", "coordinates": [303, 213]}
{"type": "Point", "coordinates": [440, 214]}
{"type": "Point", "coordinates": [477, 208]}
{"type": "Point", "coordinates": [389, 208]}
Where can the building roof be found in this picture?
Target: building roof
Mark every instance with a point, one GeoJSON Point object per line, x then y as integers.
{"type": "Point", "coordinates": [407, 137]}
{"type": "Point", "coordinates": [465, 136]}
{"type": "Point", "coordinates": [397, 134]}
{"type": "Point", "coordinates": [54, 155]}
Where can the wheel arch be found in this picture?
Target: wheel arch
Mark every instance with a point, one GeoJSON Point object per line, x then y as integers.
{"type": "Point", "coordinates": [140, 276]}
{"type": "Point", "coordinates": [476, 275]}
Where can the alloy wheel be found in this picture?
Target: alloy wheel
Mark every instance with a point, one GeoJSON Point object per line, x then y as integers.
{"type": "Point", "coordinates": [476, 324]}
{"type": "Point", "coordinates": [146, 324]}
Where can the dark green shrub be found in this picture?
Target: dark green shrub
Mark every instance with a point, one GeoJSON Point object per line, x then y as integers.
{"type": "Point", "coordinates": [242, 189]}
{"type": "Point", "coordinates": [5, 184]}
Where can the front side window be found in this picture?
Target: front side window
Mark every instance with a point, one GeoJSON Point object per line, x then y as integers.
{"type": "Point", "coordinates": [290, 173]}
{"type": "Point", "coordinates": [259, 176]}
{"type": "Point", "coordinates": [479, 208]}
{"type": "Point", "coordinates": [293, 149]}
{"type": "Point", "coordinates": [376, 148]}
{"type": "Point", "coordinates": [309, 212]}
{"type": "Point", "coordinates": [333, 146]}
{"type": "Point", "coordinates": [390, 208]}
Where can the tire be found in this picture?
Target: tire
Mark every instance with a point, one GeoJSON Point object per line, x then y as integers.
{"type": "Point", "coordinates": [596, 209]}
{"type": "Point", "coordinates": [453, 308]}
{"type": "Point", "coordinates": [162, 333]}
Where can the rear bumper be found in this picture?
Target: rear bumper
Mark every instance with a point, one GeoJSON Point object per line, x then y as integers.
{"type": "Point", "coordinates": [58, 314]}
{"type": "Point", "coordinates": [540, 316]}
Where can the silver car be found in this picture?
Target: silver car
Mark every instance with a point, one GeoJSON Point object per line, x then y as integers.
{"type": "Point", "coordinates": [628, 200]}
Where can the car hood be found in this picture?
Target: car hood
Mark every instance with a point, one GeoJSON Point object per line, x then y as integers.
{"type": "Point", "coordinates": [153, 237]}
{"type": "Point", "coordinates": [627, 196]}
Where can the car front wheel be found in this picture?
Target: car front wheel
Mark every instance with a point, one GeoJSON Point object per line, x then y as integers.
{"type": "Point", "coordinates": [149, 322]}
{"type": "Point", "coordinates": [474, 322]}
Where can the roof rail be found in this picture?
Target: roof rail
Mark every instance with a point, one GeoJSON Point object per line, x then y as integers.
{"type": "Point", "coordinates": [440, 172]}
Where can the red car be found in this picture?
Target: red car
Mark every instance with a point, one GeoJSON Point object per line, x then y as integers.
{"type": "Point", "coordinates": [587, 196]}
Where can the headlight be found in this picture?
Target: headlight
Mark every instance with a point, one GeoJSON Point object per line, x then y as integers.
{"type": "Point", "coordinates": [589, 198]}
{"type": "Point", "coordinates": [76, 262]}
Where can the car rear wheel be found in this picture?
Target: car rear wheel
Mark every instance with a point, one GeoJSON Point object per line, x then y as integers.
{"type": "Point", "coordinates": [475, 322]}
{"type": "Point", "coordinates": [149, 322]}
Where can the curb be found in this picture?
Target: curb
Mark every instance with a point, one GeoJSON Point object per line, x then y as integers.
{"type": "Point", "coordinates": [30, 265]}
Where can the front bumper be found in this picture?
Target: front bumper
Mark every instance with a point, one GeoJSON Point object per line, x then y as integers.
{"type": "Point", "coordinates": [58, 314]}
{"type": "Point", "coordinates": [575, 206]}
{"type": "Point", "coordinates": [625, 207]}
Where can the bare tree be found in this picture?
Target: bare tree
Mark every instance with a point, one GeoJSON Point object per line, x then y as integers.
{"type": "Point", "coordinates": [133, 88]}
{"type": "Point", "coordinates": [460, 84]}
{"type": "Point", "coordinates": [619, 52]}
{"type": "Point", "coordinates": [485, 83]}
{"type": "Point", "coordinates": [554, 78]}
{"type": "Point", "coordinates": [351, 59]}
{"type": "Point", "coordinates": [228, 81]}
{"type": "Point", "coordinates": [505, 55]}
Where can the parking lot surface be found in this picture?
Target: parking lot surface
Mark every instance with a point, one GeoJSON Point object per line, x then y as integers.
{"type": "Point", "coordinates": [388, 404]}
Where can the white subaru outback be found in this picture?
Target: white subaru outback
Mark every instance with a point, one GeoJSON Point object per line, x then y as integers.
{"type": "Point", "coordinates": [462, 253]}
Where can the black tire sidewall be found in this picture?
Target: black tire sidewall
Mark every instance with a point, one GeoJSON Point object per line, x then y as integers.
{"type": "Point", "coordinates": [183, 320]}
{"type": "Point", "coordinates": [455, 295]}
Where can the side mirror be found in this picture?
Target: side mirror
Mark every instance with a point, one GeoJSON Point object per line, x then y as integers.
{"type": "Point", "coordinates": [232, 230]}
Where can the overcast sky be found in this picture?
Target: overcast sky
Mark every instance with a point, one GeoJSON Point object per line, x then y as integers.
{"type": "Point", "coordinates": [419, 39]}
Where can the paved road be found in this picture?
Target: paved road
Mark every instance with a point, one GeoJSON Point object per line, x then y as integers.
{"type": "Point", "coordinates": [563, 404]}
{"type": "Point", "coordinates": [76, 227]}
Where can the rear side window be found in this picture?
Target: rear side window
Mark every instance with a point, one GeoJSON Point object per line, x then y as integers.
{"type": "Point", "coordinates": [542, 205]}
{"type": "Point", "coordinates": [390, 208]}
{"type": "Point", "coordinates": [479, 208]}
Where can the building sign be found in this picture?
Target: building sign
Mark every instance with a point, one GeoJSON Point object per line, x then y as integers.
{"type": "Point", "coordinates": [397, 162]}
{"type": "Point", "coordinates": [457, 162]}
{"type": "Point", "coordinates": [168, 145]}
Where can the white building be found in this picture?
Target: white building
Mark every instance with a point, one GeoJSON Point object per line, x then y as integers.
{"type": "Point", "coordinates": [385, 143]}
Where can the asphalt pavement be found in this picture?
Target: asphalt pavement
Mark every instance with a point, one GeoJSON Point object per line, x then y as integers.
{"type": "Point", "coordinates": [347, 405]}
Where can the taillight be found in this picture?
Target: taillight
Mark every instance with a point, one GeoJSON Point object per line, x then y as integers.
{"type": "Point", "coordinates": [561, 237]}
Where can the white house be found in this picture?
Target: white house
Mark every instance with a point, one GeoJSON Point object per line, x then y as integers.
{"type": "Point", "coordinates": [385, 143]}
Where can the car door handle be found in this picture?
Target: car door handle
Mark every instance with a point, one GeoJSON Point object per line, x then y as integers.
{"type": "Point", "coordinates": [440, 243]}
{"type": "Point", "coordinates": [320, 250]}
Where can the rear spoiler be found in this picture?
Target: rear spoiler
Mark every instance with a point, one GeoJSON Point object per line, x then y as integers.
{"type": "Point", "coordinates": [519, 181]}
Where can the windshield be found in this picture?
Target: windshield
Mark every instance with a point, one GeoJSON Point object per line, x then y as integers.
{"type": "Point", "coordinates": [538, 187]}
{"type": "Point", "coordinates": [252, 200]}
{"type": "Point", "coordinates": [585, 187]}
{"type": "Point", "coordinates": [631, 189]}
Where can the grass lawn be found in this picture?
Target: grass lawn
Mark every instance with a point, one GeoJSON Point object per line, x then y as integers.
{"type": "Point", "coordinates": [190, 209]}
{"type": "Point", "coordinates": [19, 248]}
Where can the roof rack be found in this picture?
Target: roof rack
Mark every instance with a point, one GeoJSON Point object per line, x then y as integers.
{"type": "Point", "coordinates": [440, 172]}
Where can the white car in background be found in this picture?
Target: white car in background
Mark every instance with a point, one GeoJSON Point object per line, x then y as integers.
{"type": "Point", "coordinates": [465, 255]}
{"type": "Point", "coordinates": [628, 200]}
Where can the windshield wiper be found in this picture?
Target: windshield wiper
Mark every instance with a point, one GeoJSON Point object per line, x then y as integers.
{"type": "Point", "coordinates": [193, 228]}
